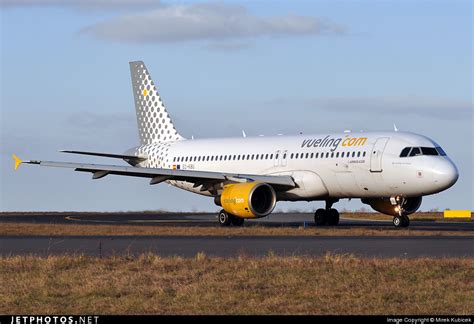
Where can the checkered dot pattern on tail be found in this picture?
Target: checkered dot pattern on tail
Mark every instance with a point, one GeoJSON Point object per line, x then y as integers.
{"type": "Point", "coordinates": [154, 122]}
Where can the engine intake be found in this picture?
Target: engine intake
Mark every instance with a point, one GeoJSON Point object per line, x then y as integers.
{"type": "Point", "coordinates": [248, 200]}
{"type": "Point", "coordinates": [383, 205]}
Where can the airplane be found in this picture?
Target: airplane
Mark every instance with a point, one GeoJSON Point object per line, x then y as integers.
{"type": "Point", "coordinates": [247, 176]}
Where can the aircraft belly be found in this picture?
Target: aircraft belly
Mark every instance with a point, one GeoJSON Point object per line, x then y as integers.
{"type": "Point", "coordinates": [189, 186]}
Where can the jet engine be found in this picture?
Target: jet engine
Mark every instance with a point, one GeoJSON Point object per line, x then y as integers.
{"type": "Point", "coordinates": [383, 205]}
{"type": "Point", "coordinates": [248, 200]}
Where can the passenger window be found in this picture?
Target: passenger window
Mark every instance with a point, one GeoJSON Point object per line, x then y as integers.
{"type": "Point", "coordinates": [332, 154]}
{"type": "Point", "coordinates": [296, 155]}
{"type": "Point", "coordinates": [316, 156]}
{"type": "Point", "coordinates": [405, 152]}
{"type": "Point", "coordinates": [266, 157]}
{"type": "Point", "coordinates": [342, 154]}
{"type": "Point", "coordinates": [363, 154]}
{"type": "Point", "coordinates": [271, 156]}
{"type": "Point", "coordinates": [358, 154]}
{"type": "Point", "coordinates": [311, 156]}
{"type": "Point", "coordinates": [353, 154]}
{"type": "Point", "coordinates": [284, 155]}
{"type": "Point", "coordinates": [253, 155]}
{"type": "Point", "coordinates": [429, 151]}
{"type": "Point", "coordinates": [327, 155]}
{"type": "Point", "coordinates": [307, 155]}
{"type": "Point", "coordinates": [415, 151]}
{"type": "Point", "coordinates": [337, 154]}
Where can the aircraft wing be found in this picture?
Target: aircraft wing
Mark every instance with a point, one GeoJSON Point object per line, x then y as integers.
{"type": "Point", "coordinates": [159, 175]}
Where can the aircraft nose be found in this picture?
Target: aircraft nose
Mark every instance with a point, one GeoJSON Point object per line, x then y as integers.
{"type": "Point", "coordinates": [445, 173]}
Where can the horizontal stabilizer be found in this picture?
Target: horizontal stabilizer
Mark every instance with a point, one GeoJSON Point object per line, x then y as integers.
{"type": "Point", "coordinates": [137, 159]}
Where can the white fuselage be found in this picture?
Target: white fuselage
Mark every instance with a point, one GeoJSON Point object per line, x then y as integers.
{"type": "Point", "coordinates": [339, 165]}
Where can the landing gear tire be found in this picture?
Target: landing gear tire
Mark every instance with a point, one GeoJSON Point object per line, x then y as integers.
{"type": "Point", "coordinates": [401, 221]}
{"type": "Point", "coordinates": [405, 221]}
{"type": "Point", "coordinates": [224, 218]}
{"type": "Point", "coordinates": [332, 217]}
{"type": "Point", "coordinates": [397, 221]}
{"type": "Point", "coordinates": [237, 221]}
{"type": "Point", "coordinates": [320, 217]}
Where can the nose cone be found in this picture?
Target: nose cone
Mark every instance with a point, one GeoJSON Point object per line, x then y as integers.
{"type": "Point", "coordinates": [445, 174]}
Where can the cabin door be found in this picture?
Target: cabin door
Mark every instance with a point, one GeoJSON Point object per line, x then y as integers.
{"type": "Point", "coordinates": [377, 153]}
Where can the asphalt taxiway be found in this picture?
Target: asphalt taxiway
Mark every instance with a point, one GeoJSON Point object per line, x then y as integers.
{"type": "Point", "coordinates": [210, 220]}
{"type": "Point", "coordinates": [189, 246]}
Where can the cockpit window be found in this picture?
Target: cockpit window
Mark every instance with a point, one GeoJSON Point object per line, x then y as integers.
{"type": "Point", "coordinates": [429, 151]}
{"type": "Point", "coordinates": [415, 151]}
{"type": "Point", "coordinates": [405, 152]}
{"type": "Point", "coordinates": [440, 151]}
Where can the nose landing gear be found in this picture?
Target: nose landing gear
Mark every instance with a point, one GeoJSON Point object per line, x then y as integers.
{"type": "Point", "coordinates": [328, 216]}
{"type": "Point", "coordinates": [401, 220]}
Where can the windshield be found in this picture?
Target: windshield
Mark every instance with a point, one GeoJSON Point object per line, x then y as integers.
{"type": "Point", "coordinates": [415, 151]}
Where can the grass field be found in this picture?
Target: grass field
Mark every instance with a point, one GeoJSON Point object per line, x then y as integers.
{"type": "Point", "coordinates": [15, 229]}
{"type": "Point", "coordinates": [334, 284]}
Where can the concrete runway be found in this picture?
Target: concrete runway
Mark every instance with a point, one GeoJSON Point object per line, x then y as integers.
{"type": "Point", "coordinates": [454, 246]}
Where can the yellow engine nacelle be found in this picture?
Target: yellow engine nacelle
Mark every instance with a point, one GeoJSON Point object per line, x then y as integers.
{"type": "Point", "coordinates": [248, 200]}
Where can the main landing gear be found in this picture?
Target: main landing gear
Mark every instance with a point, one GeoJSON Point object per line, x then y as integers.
{"type": "Point", "coordinates": [226, 219]}
{"type": "Point", "coordinates": [328, 216]}
{"type": "Point", "coordinates": [401, 220]}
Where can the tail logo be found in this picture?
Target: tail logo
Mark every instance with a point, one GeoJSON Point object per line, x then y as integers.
{"type": "Point", "coordinates": [145, 93]}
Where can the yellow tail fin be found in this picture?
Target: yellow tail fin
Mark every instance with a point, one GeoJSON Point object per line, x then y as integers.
{"type": "Point", "coordinates": [17, 161]}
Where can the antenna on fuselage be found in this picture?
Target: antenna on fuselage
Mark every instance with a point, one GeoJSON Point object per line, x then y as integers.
{"type": "Point", "coordinates": [243, 133]}
{"type": "Point", "coordinates": [395, 127]}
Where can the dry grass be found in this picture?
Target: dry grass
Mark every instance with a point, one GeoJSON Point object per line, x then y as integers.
{"type": "Point", "coordinates": [149, 284]}
{"type": "Point", "coordinates": [17, 229]}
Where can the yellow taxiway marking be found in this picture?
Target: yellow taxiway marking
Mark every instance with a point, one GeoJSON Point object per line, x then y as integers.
{"type": "Point", "coordinates": [457, 214]}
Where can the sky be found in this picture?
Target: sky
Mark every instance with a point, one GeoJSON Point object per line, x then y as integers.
{"type": "Point", "coordinates": [268, 67]}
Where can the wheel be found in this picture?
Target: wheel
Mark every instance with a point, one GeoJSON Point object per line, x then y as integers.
{"type": "Point", "coordinates": [237, 221]}
{"type": "Point", "coordinates": [397, 221]}
{"type": "Point", "coordinates": [320, 217]}
{"type": "Point", "coordinates": [223, 218]}
{"type": "Point", "coordinates": [405, 221]}
{"type": "Point", "coordinates": [332, 217]}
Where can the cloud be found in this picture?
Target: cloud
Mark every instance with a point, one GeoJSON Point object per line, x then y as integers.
{"type": "Point", "coordinates": [89, 4]}
{"type": "Point", "coordinates": [229, 47]}
{"type": "Point", "coordinates": [215, 22]}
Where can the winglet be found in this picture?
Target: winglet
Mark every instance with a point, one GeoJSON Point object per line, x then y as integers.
{"type": "Point", "coordinates": [17, 160]}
